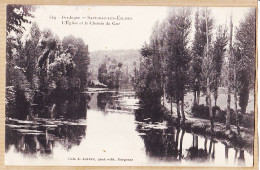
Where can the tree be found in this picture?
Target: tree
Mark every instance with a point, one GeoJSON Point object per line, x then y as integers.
{"type": "Point", "coordinates": [207, 65]}
{"type": "Point", "coordinates": [245, 40]}
{"type": "Point", "coordinates": [18, 90]}
{"type": "Point", "coordinates": [235, 59]}
{"type": "Point", "coordinates": [102, 73]}
{"type": "Point", "coordinates": [244, 61]}
{"type": "Point", "coordinates": [163, 52]}
{"type": "Point", "coordinates": [59, 76]}
{"type": "Point", "coordinates": [79, 50]}
{"type": "Point", "coordinates": [229, 74]}
{"type": "Point", "coordinates": [159, 36]}
{"type": "Point", "coordinates": [47, 44]}
{"type": "Point", "coordinates": [178, 57]}
{"type": "Point", "coordinates": [198, 47]}
{"type": "Point", "coordinates": [148, 83]}
{"type": "Point", "coordinates": [32, 52]}
{"type": "Point", "coordinates": [40, 68]}
{"type": "Point", "coordinates": [110, 73]}
{"type": "Point", "coordinates": [219, 49]}
{"type": "Point", "coordinates": [17, 15]}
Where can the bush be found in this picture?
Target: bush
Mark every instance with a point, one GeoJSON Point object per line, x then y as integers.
{"type": "Point", "coordinates": [201, 111]}
{"type": "Point", "coordinates": [248, 121]}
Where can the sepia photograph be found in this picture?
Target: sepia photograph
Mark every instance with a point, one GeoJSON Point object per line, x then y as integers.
{"type": "Point", "coordinates": [130, 86]}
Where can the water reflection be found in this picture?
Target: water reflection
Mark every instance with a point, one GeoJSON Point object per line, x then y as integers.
{"type": "Point", "coordinates": [72, 107]}
{"type": "Point", "coordinates": [107, 100]}
{"type": "Point", "coordinates": [201, 154]}
{"type": "Point", "coordinates": [59, 121]}
{"type": "Point", "coordinates": [161, 140]}
{"type": "Point", "coordinates": [102, 100]}
{"type": "Point", "coordinates": [169, 143]}
{"type": "Point", "coordinates": [111, 125]}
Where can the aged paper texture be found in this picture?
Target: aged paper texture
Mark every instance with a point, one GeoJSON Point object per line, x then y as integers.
{"type": "Point", "coordinates": [131, 84]}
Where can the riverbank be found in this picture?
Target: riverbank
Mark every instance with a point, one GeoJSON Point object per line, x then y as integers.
{"type": "Point", "coordinates": [202, 127]}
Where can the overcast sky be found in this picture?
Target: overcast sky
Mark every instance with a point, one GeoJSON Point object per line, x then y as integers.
{"type": "Point", "coordinates": [129, 34]}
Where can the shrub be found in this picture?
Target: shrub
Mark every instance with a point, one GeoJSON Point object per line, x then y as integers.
{"type": "Point", "coordinates": [201, 111]}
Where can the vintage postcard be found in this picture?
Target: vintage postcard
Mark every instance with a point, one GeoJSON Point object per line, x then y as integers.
{"type": "Point", "coordinates": [97, 85]}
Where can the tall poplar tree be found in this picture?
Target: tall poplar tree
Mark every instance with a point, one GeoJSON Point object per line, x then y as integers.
{"type": "Point", "coordinates": [178, 57]}
{"type": "Point", "coordinates": [198, 47]}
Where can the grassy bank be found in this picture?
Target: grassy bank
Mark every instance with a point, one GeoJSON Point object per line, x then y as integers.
{"type": "Point", "coordinates": [202, 127]}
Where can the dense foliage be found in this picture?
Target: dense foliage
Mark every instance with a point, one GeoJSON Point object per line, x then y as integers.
{"type": "Point", "coordinates": [17, 16]}
{"type": "Point", "coordinates": [113, 74]}
{"type": "Point", "coordinates": [245, 58]}
{"type": "Point", "coordinates": [148, 84]}
{"type": "Point", "coordinates": [40, 66]}
{"type": "Point", "coordinates": [173, 64]}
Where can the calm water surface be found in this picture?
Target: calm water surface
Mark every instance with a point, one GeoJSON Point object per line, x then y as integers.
{"type": "Point", "coordinates": [110, 128]}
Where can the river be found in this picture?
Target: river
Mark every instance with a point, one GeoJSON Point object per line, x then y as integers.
{"type": "Point", "coordinates": [110, 128]}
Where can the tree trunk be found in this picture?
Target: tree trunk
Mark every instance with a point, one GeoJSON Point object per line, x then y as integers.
{"type": "Point", "coordinates": [178, 111]}
{"type": "Point", "coordinates": [205, 144]}
{"type": "Point", "coordinates": [162, 80]}
{"type": "Point", "coordinates": [241, 157]}
{"type": "Point", "coordinates": [229, 77]}
{"type": "Point", "coordinates": [210, 146]}
{"type": "Point", "coordinates": [226, 151]}
{"type": "Point", "coordinates": [235, 97]}
{"type": "Point", "coordinates": [236, 112]}
{"type": "Point", "coordinates": [213, 153]}
{"type": "Point", "coordinates": [210, 107]}
{"type": "Point", "coordinates": [193, 140]}
{"type": "Point", "coordinates": [171, 104]}
{"type": "Point", "coordinates": [195, 99]}
{"type": "Point", "coordinates": [216, 97]}
{"type": "Point", "coordinates": [198, 97]}
{"type": "Point", "coordinates": [181, 141]}
{"type": "Point", "coordinates": [173, 134]}
{"type": "Point", "coordinates": [163, 94]}
{"type": "Point", "coordinates": [177, 138]}
{"type": "Point", "coordinates": [196, 142]}
{"type": "Point", "coordinates": [235, 155]}
{"type": "Point", "coordinates": [228, 107]}
{"type": "Point", "coordinates": [182, 111]}
{"type": "Point", "coordinates": [208, 83]}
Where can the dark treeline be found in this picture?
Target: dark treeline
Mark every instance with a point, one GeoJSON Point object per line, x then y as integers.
{"type": "Point", "coordinates": [198, 58]}
{"type": "Point", "coordinates": [41, 68]}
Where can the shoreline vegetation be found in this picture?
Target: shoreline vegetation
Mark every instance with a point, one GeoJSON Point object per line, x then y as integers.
{"type": "Point", "coordinates": [217, 57]}
{"type": "Point", "coordinates": [49, 73]}
{"type": "Point", "coordinates": [202, 127]}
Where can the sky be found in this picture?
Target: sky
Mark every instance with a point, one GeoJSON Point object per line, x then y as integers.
{"type": "Point", "coordinates": [129, 34]}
